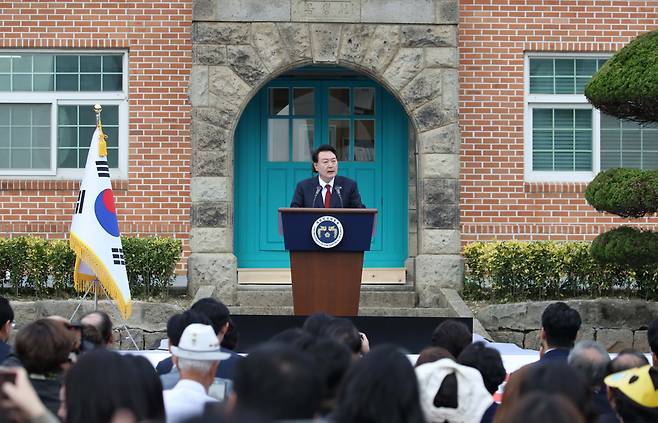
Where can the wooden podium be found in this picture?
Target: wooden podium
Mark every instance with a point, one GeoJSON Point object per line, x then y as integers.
{"type": "Point", "coordinates": [326, 257]}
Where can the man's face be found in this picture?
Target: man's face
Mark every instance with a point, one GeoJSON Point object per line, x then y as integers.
{"type": "Point", "coordinates": [327, 165]}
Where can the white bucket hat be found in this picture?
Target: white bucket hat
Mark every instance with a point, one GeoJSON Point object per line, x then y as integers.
{"type": "Point", "coordinates": [199, 342]}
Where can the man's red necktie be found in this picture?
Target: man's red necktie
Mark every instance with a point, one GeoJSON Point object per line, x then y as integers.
{"type": "Point", "coordinates": [327, 196]}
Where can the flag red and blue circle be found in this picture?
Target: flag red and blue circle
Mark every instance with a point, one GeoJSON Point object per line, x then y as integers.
{"type": "Point", "coordinates": [106, 213]}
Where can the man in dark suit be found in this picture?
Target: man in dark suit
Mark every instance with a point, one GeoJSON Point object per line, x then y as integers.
{"type": "Point", "coordinates": [6, 324]}
{"type": "Point", "coordinates": [327, 189]}
{"type": "Point", "coordinates": [559, 328]}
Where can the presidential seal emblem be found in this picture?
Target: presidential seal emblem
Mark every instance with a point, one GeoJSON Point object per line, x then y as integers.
{"type": "Point", "coordinates": [327, 232]}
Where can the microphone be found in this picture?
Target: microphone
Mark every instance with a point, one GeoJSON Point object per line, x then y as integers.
{"type": "Point", "coordinates": [340, 196]}
{"type": "Point", "coordinates": [317, 191]}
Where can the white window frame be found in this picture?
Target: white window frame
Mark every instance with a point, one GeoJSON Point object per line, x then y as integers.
{"type": "Point", "coordinates": [557, 101]}
{"type": "Point", "coordinates": [63, 98]}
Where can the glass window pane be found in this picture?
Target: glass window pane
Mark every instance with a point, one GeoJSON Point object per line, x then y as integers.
{"type": "Point", "coordinates": [5, 111]}
{"type": "Point", "coordinates": [44, 82]}
{"type": "Point", "coordinates": [565, 85]}
{"type": "Point", "coordinates": [563, 140]}
{"type": "Point", "coordinates": [279, 102]}
{"type": "Point", "coordinates": [91, 64]}
{"type": "Point", "coordinates": [41, 158]}
{"type": "Point", "coordinates": [21, 115]}
{"type": "Point", "coordinates": [542, 160]}
{"type": "Point", "coordinates": [563, 118]}
{"type": "Point", "coordinates": [583, 118]}
{"type": "Point", "coordinates": [542, 140]}
{"type": "Point", "coordinates": [564, 67]}
{"type": "Point", "coordinates": [302, 139]}
{"type": "Point", "coordinates": [4, 157]}
{"type": "Point", "coordinates": [631, 140]}
{"type": "Point", "coordinates": [541, 85]}
{"type": "Point", "coordinates": [67, 158]}
{"type": "Point", "coordinates": [82, 157]}
{"type": "Point", "coordinates": [112, 136]}
{"type": "Point", "coordinates": [112, 82]}
{"type": "Point", "coordinates": [339, 101]}
{"type": "Point", "coordinates": [632, 159]}
{"type": "Point", "coordinates": [67, 115]}
{"type": "Point", "coordinates": [20, 136]}
{"type": "Point", "coordinates": [581, 83]}
{"type": "Point", "coordinates": [22, 63]}
{"type": "Point", "coordinates": [303, 101]}
{"type": "Point", "coordinates": [339, 138]}
{"type": "Point", "coordinates": [85, 133]}
{"type": "Point", "coordinates": [5, 82]}
{"type": "Point", "coordinates": [5, 64]}
{"type": "Point", "coordinates": [650, 160]}
{"type": "Point", "coordinates": [609, 122]}
{"type": "Point", "coordinates": [41, 114]}
{"type": "Point", "coordinates": [67, 136]}
{"type": "Point", "coordinates": [364, 101]}
{"type": "Point", "coordinates": [584, 140]}
{"type": "Point", "coordinates": [543, 67]}
{"type": "Point", "coordinates": [110, 115]}
{"type": "Point", "coordinates": [44, 63]}
{"type": "Point", "coordinates": [585, 67]}
{"type": "Point", "coordinates": [87, 115]}
{"type": "Point", "coordinates": [20, 158]}
{"type": "Point", "coordinates": [542, 118]}
{"type": "Point", "coordinates": [90, 82]}
{"type": "Point", "coordinates": [113, 157]}
{"type": "Point", "coordinates": [66, 63]}
{"type": "Point", "coordinates": [41, 136]}
{"type": "Point", "coordinates": [67, 82]}
{"type": "Point", "coordinates": [278, 140]}
{"type": "Point", "coordinates": [364, 140]}
{"type": "Point", "coordinates": [583, 161]}
{"type": "Point", "coordinates": [113, 63]}
{"type": "Point", "coordinates": [22, 82]}
{"type": "Point", "coordinates": [564, 160]}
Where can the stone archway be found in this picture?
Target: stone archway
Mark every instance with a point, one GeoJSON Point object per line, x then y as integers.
{"type": "Point", "coordinates": [416, 63]}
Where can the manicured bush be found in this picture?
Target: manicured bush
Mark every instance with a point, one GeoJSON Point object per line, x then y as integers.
{"type": "Point", "coordinates": [624, 192]}
{"type": "Point", "coordinates": [627, 85]}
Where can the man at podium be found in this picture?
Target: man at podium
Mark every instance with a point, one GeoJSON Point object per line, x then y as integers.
{"type": "Point", "coordinates": [327, 189]}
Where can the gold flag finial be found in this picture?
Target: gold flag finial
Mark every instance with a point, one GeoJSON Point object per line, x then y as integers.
{"type": "Point", "coordinates": [102, 144]}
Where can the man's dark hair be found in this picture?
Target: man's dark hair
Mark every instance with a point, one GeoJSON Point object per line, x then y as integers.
{"type": "Point", "coordinates": [452, 335]}
{"type": "Point", "coordinates": [652, 336]}
{"type": "Point", "coordinates": [278, 382]}
{"type": "Point", "coordinates": [432, 354]}
{"type": "Point", "coordinates": [6, 312]}
{"type": "Point", "coordinates": [592, 360]}
{"type": "Point", "coordinates": [544, 408]}
{"type": "Point", "coordinates": [323, 147]}
{"type": "Point", "coordinates": [296, 338]}
{"type": "Point", "coordinates": [627, 358]}
{"type": "Point", "coordinates": [333, 360]}
{"type": "Point", "coordinates": [178, 322]}
{"type": "Point", "coordinates": [231, 337]}
{"type": "Point", "coordinates": [560, 323]}
{"type": "Point", "coordinates": [43, 346]}
{"type": "Point", "coordinates": [344, 331]}
{"type": "Point", "coordinates": [316, 322]}
{"type": "Point", "coordinates": [215, 310]}
{"type": "Point", "coordinates": [104, 326]}
{"type": "Point", "coordinates": [487, 361]}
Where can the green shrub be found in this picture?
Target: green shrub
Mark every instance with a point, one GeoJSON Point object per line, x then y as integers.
{"type": "Point", "coordinates": [624, 192]}
{"type": "Point", "coordinates": [151, 263]}
{"type": "Point", "coordinates": [627, 247]}
{"type": "Point", "coordinates": [62, 261]}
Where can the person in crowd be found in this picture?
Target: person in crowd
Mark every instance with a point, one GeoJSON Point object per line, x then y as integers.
{"type": "Point", "coordinates": [21, 403]}
{"type": "Point", "coordinates": [316, 322]}
{"type": "Point", "coordinates": [431, 354]}
{"type": "Point", "coordinates": [592, 360]}
{"type": "Point", "coordinates": [104, 381]}
{"type": "Point", "coordinates": [633, 394]}
{"type": "Point", "coordinates": [543, 408]}
{"type": "Point", "coordinates": [6, 325]}
{"type": "Point", "coordinates": [652, 337]}
{"type": "Point", "coordinates": [452, 392]}
{"type": "Point", "coordinates": [277, 382]}
{"type": "Point", "coordinates": [559, 328]}
{"type": "Point", "coordinates": [627, 358]}
{"type": "Point", "coordinates": [295, 337]}
{"type": "Point", "coordinates": [102, 322]}
{"type": "Point", "coordinates": [490, 365]}
{"type": "Point", "coordinates": [231, 337]}
{"type": "Point", "coordinates": [333, 360]}
{"type": "Point", "coordinates": [452, 335]}
{"type": "Point", "coordinates": [196, 357]}
{"type": "Point", "coordinates": [344, 331]}
{"type": "Point", "coordinates": [381, 387]}
{"type": "Point", "coordinates": [511, 393]}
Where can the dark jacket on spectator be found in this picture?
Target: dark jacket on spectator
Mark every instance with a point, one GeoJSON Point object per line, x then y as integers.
{"type": "Point", "coordinates": [4, 351]}
{"type": "Point", "coordinates": [558, 354]}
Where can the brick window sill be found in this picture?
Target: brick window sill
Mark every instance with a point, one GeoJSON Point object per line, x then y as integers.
{"type": "Point", "coordinates": [554, 187]}
{"type": "Point", "coordinates": [52, 185]}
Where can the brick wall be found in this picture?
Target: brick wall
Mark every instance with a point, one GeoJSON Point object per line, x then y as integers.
{"type": "Point", "coordinates": [496, 203]}
{"type": "Point", "coordinates": [155, 199]}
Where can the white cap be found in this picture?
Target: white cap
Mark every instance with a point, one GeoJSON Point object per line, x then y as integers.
{"type": "Point", "coordinates": [199, 342]}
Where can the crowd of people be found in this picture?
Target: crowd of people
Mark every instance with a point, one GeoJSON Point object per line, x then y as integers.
{"type": "Point", "coordinates": [324, 371]}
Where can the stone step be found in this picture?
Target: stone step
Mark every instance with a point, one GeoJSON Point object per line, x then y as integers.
{"type": "Point", "coordinates": [372, 296]}
{"type": "Point", "coordinates": [363, 311]}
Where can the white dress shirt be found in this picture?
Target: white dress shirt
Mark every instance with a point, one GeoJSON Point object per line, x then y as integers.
{"type": "Point", "coordinates": [187, 399]}
{"type": "Point", "coordinates": [323, 184]}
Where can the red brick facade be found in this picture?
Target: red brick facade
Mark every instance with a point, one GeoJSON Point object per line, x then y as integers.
{"type": "Point", "coordinates": [155, 199]}
{"type": "Point", "coordinates": [496, 202]}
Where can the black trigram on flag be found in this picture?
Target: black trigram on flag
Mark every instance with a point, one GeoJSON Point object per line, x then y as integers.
{"type": "Point", "coordinates": [103, 169]}
{"type": "Point", "coordinates": [80, 202]}
{"type": "Point", "coordinates": [117, 256]}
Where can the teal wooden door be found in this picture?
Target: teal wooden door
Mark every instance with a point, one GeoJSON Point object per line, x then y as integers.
{"type": "Point", "coordinates": [277, 132]}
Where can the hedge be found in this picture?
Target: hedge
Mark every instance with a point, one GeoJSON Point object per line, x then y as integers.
{"type": "Point", "coordinates": [35, 266]}
{"type": "Point", "coordinates": [624, 192]}
{"type": "Point", "coordinates": [524, 270]}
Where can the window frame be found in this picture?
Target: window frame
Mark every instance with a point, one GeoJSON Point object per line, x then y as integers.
{"type": "Point", "coordinates": [67, 98]}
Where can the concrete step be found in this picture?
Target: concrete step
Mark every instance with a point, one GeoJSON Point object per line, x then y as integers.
{"type": "Point", "coordinates": [363, 311]}
{"type": "Point", "coordinates": [372, 296]}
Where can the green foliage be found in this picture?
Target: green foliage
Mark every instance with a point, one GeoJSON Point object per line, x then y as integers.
{"type": "Point", "coordinates": [627, 85]}
{"type": "Point", "coordinates": [627, 247]}
{"type": "Point", "coordinates": [624, 192]}
{"type": "Point", "coordinates": [40, 267]}
{"type": "Point", "coordinates": [521, 270]}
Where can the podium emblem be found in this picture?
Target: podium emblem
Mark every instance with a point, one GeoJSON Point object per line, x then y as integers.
{"type": "Point", "coordinates": [327, 232]}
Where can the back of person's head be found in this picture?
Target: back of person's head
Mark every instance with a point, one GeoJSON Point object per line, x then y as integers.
{"type": "Point", "coordinates": [294, 337]}
{"type": "Point", "coordinates": [627, 358]}
{"type": "Point", "coordinates": [487, 361]}
{"type": "Point", "coordinates": [178, 322]}
{"type": "Point", "coordinates": [231, 338]}
{"type": "Point", "coordinates": [279, 382]}
{"type": "Point", "coordinates": [103, 381]}
{"type": "Point", "coordinates": [544, 408]}
{"type": "Point", "coordinates": [635, 394]}
{"type": "Point", "coordinates": [511, 393]}
{"type": "Point", "coordinates": [333, 359]}
{"type": "Point", "coordinates": [91, 338]}
{"type": "Point", "coordinates": [381, 387]}
{"type": "Point", "coordinates": [556, 377]}
{"type": "Point", "coordinates": [652, 337]}
{"type": "Point", "coordinates": [343, 331]}
{"type": "Point", "coordinates": [316, 322]}
{"type": "Point", "coordinates": [216, 311]}
{"type": "Point", "coordinates": [452, 335]}
{"type": "Point", "coordinates": [44, 346]}
{"type": "Point", "coordinates": [560, 324]}
{"type": "Point", "coordinates": [101, 321]}
{"type": "Point", "coordinates": [6, 312]}
{"type": "Point", "coordinates": [592, 360]}
{"type": "Point", "coordinates": [452, 392]}
{"type": "Point", "coordinates": [431, 354]}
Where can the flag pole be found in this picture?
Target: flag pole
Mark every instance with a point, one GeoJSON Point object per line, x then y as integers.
{"type": "Point", "coordinates": [97, 109]}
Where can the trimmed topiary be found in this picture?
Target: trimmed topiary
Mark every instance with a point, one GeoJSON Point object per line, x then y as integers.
{"type": "Point", "coordinates": [627, 85]}
{"type": "Point", "coordinates": [624, 192]}
{"type": "Point", "coordinates": [626, 246]}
